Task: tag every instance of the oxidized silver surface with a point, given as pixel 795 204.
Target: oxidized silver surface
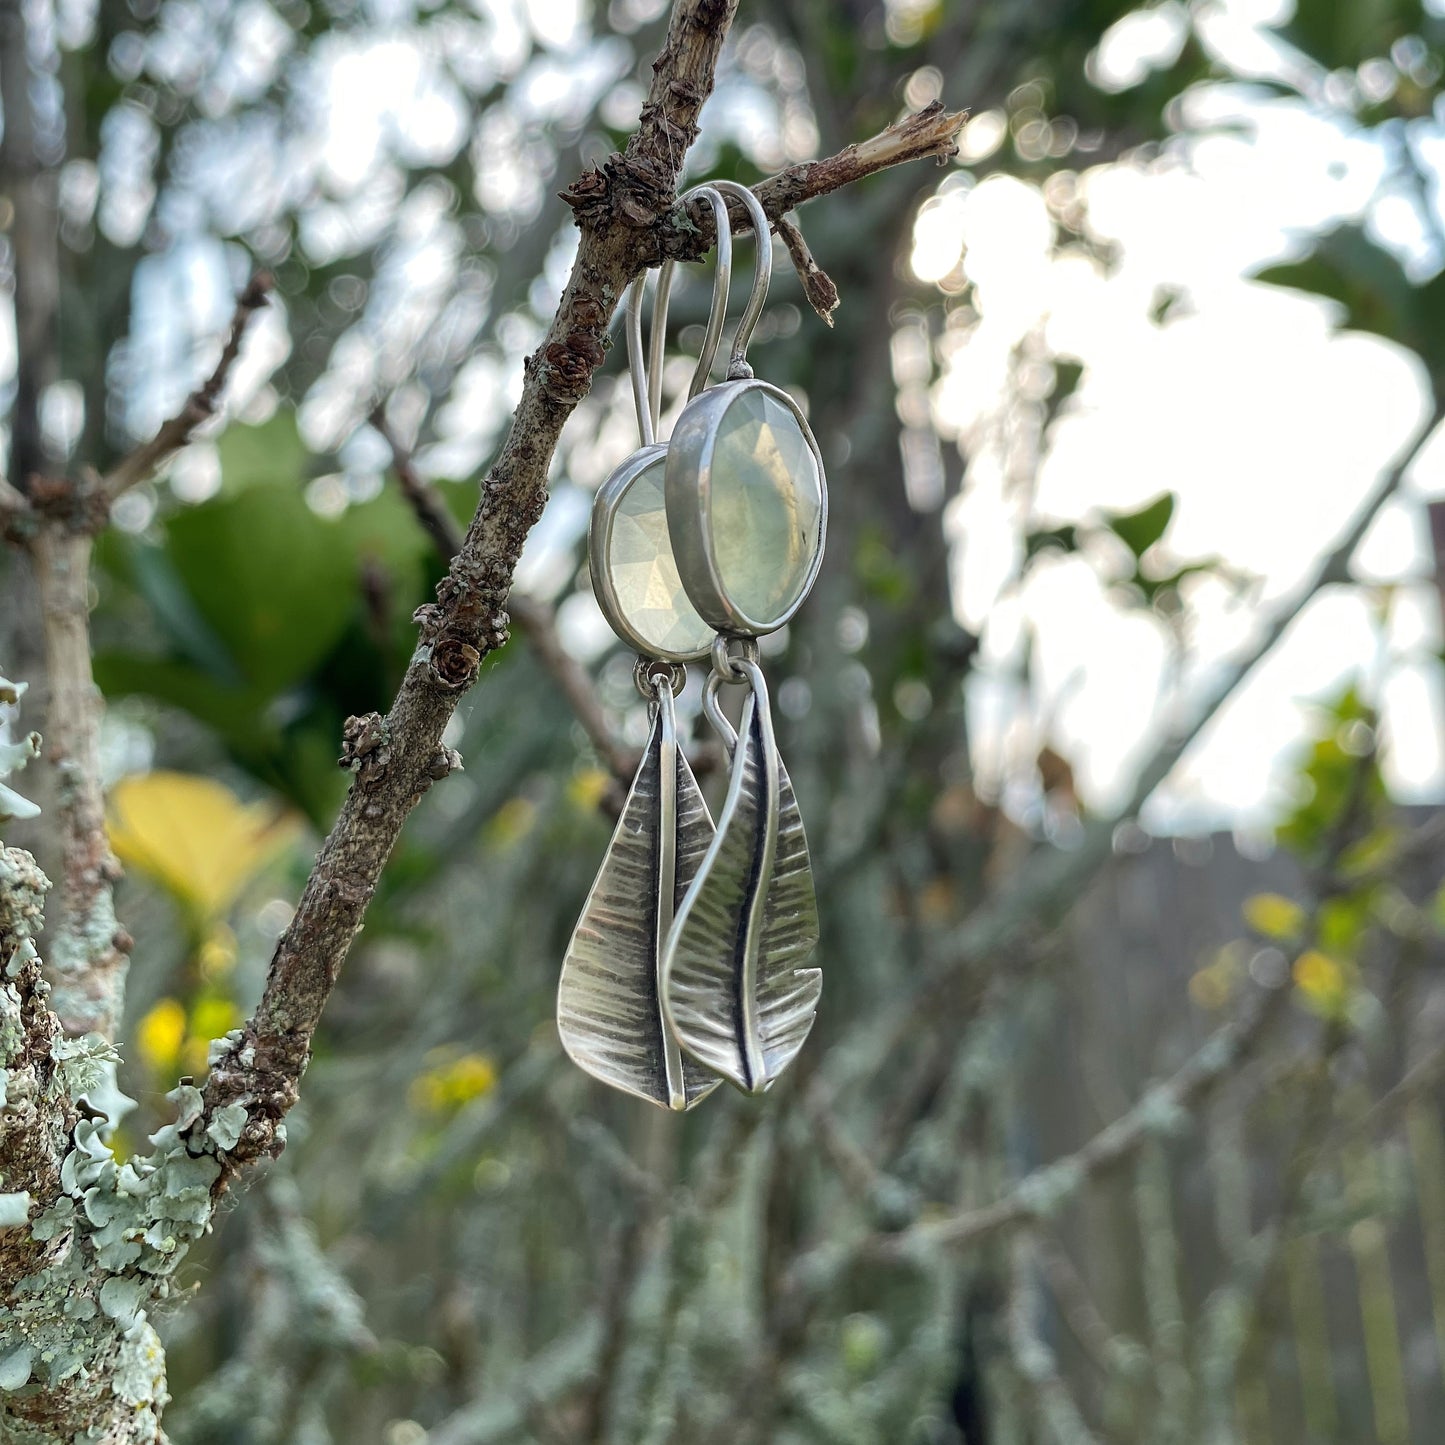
pixel 735 992
pixel 609 1006
pixel 689 508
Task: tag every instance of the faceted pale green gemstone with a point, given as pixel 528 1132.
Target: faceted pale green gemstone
pixel 644 574
pixel 766 496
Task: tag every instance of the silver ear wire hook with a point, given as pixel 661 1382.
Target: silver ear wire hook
pixel 721 283
pixel 658 345
pixel 647 380
pixel 738 367
pixel 762 273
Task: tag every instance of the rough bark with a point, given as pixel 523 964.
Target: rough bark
pixel 89 950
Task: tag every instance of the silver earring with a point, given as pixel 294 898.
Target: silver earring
pixel 609 997
pixel 747 515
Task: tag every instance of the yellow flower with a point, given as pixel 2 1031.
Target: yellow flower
pixel 587 787
pixel 452 1082
pixel 511 823
pixel 160 1034
pixel 1321 980
pixel 217 952
pixel 213 1015
pixel 195 837
pixel 1274 915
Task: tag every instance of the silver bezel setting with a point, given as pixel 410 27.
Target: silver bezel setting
pixel 599 546
pixel 688 486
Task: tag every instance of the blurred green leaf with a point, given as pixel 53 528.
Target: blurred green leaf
pixel 1050 539
pixel 269 454
pixel 1140 530
pixel 1370 285
pixel 1343 782
pixel 274 581
pixel 1339 34
pixel 233 712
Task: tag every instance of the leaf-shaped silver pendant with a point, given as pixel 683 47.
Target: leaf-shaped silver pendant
pixel 734 992
pixel 609 1009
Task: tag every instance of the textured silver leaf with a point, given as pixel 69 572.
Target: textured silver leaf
pixel 734 992
pixel 608 999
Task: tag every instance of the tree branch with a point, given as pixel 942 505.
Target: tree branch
pixel 87 954
pixel 1054 1403
pixel 200 406
pixel 931 133
pixel 625 213
pixel 534 617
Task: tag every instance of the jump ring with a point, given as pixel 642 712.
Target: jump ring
pixel 650 672
pixel 725 662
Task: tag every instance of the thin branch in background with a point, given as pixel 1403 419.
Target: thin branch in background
pixel 1105 1346
pixel 200 406
pixel 30 187
pixel 423 498
pixel 539 622
pixel 1161 1107
pixel 1032 1358
pixel 534 617
pixel 88 952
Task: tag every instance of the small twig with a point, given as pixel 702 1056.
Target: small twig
pixel 431 511
pixel 818 285
pixel 929 133
pixel 200 405
pixel 534 617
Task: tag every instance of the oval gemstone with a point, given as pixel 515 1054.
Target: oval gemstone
pixel 766 502
pixel 644 573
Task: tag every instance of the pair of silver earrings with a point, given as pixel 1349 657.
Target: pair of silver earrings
pixel 687 964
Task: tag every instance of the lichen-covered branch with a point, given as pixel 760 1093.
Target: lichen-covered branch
pixel 1035 1362
pixel 89 949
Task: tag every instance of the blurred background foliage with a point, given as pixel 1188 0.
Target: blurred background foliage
pixel 466 1240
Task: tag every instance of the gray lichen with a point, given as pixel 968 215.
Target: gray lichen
pixel 14 756
pixel 91 1242
pixel 110 1245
